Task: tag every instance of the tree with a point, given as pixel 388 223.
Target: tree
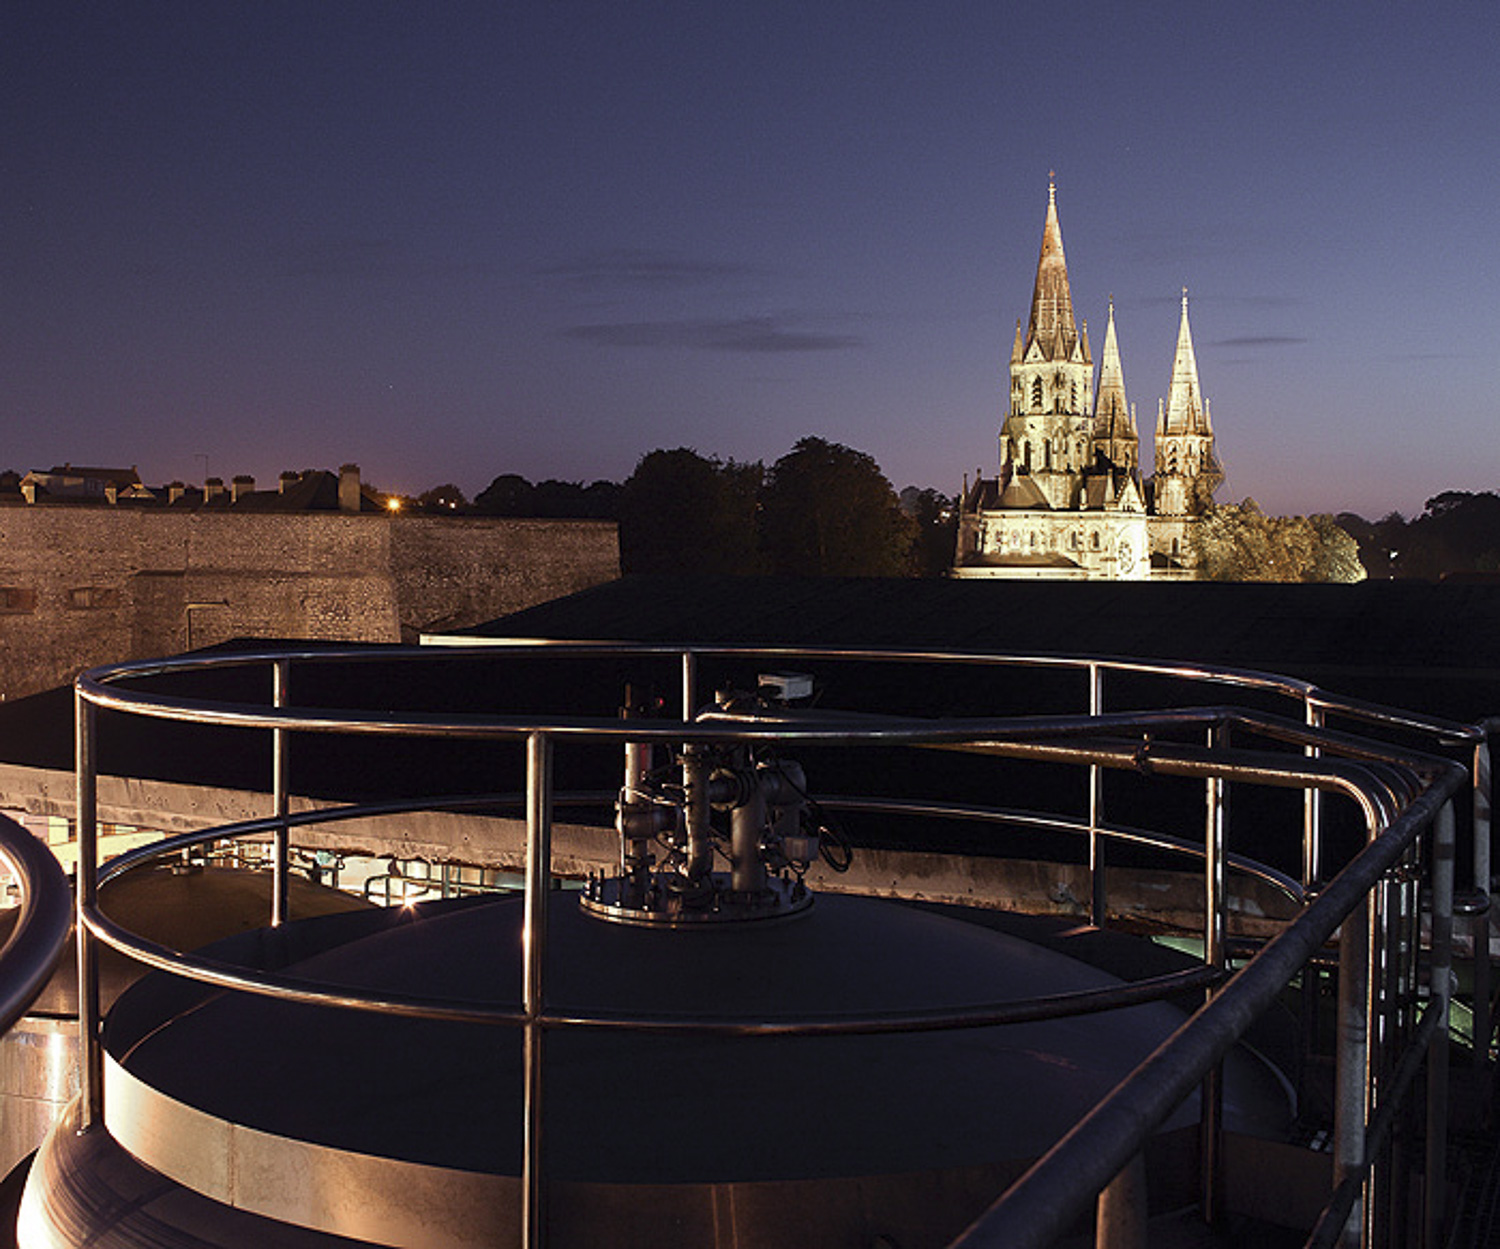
pixel 1457 533
pixel 446 499
pixel 828 510
pixel 681 512
pixel 508 495
pixel 936 519
pixel 1241 543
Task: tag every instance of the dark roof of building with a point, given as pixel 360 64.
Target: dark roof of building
pixel 1432 647
pixel 120 476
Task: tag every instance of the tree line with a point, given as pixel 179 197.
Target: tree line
pixel 823 509
pixel 1457 534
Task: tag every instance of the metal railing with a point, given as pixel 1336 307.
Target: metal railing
pixel 44 918
pixel 1403 796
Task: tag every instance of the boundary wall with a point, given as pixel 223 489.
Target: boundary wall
pixel 83 586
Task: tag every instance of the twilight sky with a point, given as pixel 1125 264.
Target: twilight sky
pixel 452 240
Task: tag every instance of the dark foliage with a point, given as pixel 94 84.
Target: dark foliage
pixel 512 495
pixel 1457 535
pixel 681 512
pixel 828 511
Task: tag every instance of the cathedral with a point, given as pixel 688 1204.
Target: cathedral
pixel 1069 500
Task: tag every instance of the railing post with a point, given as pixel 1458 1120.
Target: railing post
pixel 1098 884
pixel 689 685
pixel 86 813
pixel 281 839
pixel 538 888
pixel 1440 997
pixel 1480 923
pixel 1215 955
pixel 1312 812
pixel 1351 1072
pixel 1121 1210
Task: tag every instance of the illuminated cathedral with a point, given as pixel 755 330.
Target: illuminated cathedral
pixel 1069 499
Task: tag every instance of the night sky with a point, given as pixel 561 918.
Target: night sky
pixel 452 240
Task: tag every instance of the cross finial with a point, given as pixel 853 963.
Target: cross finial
pixel 1052 186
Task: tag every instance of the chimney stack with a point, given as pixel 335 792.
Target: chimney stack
pixel 288 480
pixel 174 491
pixel 349 492
pixel 240 487
pixel 213 487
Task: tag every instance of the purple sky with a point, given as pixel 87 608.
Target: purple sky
pixel 448 241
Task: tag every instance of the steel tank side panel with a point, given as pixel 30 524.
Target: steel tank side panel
pixel 38 1077
pixel 375 1200
pixel 86 1190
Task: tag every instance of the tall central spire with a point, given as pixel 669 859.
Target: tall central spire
pixel 1052 328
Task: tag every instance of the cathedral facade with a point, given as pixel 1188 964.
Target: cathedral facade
pixel 1070 499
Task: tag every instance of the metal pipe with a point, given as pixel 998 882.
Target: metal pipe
pixel 86 811
pixel 438 648
pixel 700 852
pixel 36 943
pixel 1330 1224
pixel 1122 1209
pixel 747 823
pixel 1480 922
pixel 1441 992
pixel 1215 956
pixel 1312 810
pixel 1351 1087
pixel 689 685
pixel 281 839
pixel 1098 884
pixel 538 889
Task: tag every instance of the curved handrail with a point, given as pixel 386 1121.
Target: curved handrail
pixel 95 684
pixel 36 943
pixel 1044 1201
pixel 1395 789
pixel 289 988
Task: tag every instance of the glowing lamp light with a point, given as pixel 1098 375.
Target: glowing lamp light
pixel 393 504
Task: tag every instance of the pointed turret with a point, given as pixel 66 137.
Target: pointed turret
pixel 1185 411
pixel 1115 437
pixel 1187 466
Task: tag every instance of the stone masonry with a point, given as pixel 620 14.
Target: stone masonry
pixel 81 586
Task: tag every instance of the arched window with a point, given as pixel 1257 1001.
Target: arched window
pixel 1073 397
pixel 1032 542
pixel 1036 392
pixel 1094 540
pixel 1176 547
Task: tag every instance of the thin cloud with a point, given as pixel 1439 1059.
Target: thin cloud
pixel 753 334
pixel 1261 340
pixel 628 269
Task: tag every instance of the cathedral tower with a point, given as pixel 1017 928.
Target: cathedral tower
pixel 1048 430
pixel 1187 467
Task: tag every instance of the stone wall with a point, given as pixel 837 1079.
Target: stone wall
pixel 452 573
pixel 81 586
